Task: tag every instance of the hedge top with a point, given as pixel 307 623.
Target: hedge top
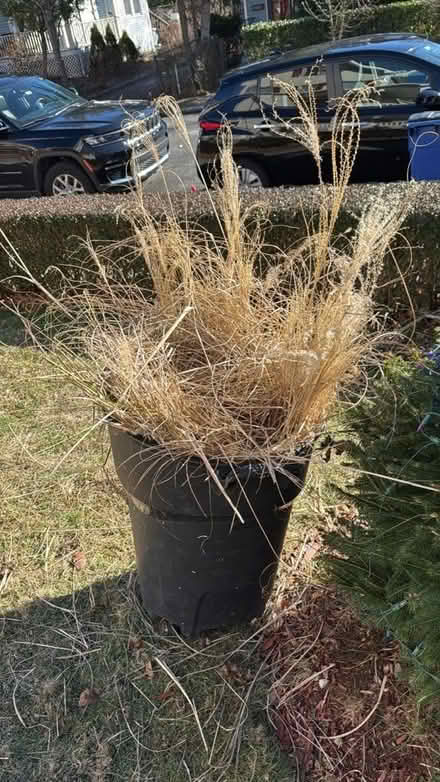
pixel 415 16
pixel 50 231
pixel 278 200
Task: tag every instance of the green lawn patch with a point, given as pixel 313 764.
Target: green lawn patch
pixel 82 696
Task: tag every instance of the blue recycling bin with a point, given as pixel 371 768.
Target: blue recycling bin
pixel 424 145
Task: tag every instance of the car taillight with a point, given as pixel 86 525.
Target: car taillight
pixel 205 125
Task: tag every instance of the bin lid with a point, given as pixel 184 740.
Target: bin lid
pixel 424 118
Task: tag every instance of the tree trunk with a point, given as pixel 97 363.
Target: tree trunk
pixel 42 32
pixel 55 41
pixel 194 18
pixel 205 20
pixel 185 35
pixel 203 46
pixel 184 26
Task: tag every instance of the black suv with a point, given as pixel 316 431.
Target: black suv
pixel 400 66
pixel 53 142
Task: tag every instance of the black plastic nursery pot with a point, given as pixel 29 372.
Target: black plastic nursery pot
pixel 198 565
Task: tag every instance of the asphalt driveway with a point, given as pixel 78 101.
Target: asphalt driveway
pixel 179 172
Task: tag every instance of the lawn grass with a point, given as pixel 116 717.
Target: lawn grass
pixel 72 631
pixel 90 689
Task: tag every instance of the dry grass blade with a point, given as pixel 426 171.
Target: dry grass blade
pixel 174 679
pixel 365 720
pixel 311 678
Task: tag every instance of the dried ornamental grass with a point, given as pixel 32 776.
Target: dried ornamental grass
pixel 230 359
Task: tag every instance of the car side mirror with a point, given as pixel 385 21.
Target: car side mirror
pixel 429 98
pixel 74 90
pixel 3 126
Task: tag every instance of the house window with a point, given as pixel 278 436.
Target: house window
pixel 137 6
pixel 104 8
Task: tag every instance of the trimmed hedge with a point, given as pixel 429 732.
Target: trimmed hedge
pixel 46 232
pixel 413 16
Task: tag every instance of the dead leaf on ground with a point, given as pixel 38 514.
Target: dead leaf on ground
pixel 135 643
pixel 167 694
pixel 232 672
pixel 88 697
pixel 79 560
pixel 260 733
pixel 148 670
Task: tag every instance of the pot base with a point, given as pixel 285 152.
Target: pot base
pixel 198 565
pixel 200 578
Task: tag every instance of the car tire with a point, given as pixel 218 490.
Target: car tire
pixel 209 175
pixel 67 179
pixel 251 173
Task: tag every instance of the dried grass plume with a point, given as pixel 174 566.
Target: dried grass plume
pixel 234 357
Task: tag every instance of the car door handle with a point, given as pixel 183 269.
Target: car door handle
pixel 264 126
pixel 361 125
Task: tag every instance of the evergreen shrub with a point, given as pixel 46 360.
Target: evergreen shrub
pixel 389 558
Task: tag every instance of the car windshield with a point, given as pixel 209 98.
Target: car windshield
pixel 30 100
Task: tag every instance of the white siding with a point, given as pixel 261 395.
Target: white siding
pixel 5 25
pixel 132 16
pixel 137 25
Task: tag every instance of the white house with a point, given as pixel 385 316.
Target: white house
pixel 130 15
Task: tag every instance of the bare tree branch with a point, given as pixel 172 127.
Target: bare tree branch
pixel 336 14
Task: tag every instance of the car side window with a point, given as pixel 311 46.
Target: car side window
pixel 394 81
pixel 245 104
pixel 301 77
pixel 247 87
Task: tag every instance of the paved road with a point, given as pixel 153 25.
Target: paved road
pixel 179 173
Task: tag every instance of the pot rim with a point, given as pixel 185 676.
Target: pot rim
pixel 303 453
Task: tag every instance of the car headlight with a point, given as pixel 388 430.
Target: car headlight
pixel 94 141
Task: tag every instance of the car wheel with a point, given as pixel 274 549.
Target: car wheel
pixel 209 175
pixel 251 174
pixel 65 179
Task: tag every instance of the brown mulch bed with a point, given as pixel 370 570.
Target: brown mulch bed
pixel 337 701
